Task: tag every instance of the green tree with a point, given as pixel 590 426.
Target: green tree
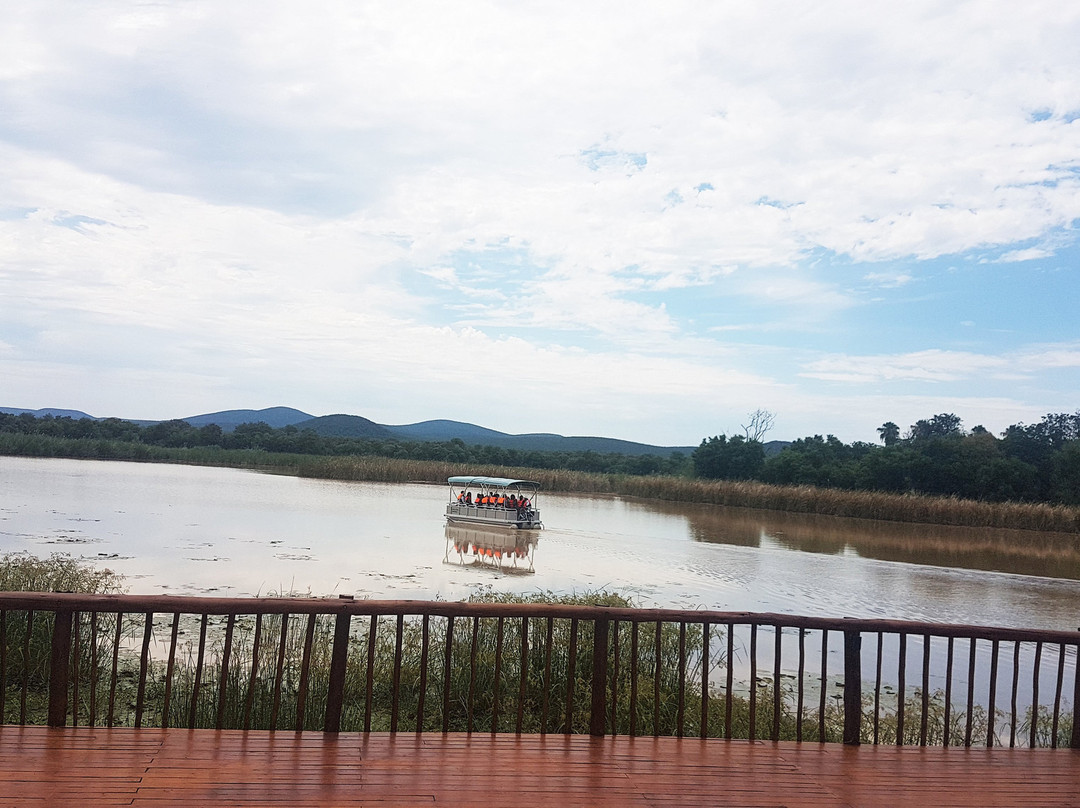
pixel 1064 475
pixel 943 425
pixel 889 433
pixel 721 458
pixel 173 434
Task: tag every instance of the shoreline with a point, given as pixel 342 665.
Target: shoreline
pixel 801 499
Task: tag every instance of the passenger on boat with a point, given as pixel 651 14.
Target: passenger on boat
pixel 468 497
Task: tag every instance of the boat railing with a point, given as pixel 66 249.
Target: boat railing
pixel 491 512
pixel 416 666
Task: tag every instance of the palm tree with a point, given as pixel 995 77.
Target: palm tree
pixel 889 432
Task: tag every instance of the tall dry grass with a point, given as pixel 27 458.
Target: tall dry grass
pixel 791 498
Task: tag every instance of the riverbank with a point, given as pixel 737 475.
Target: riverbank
pixel 907 508
pixel 792 499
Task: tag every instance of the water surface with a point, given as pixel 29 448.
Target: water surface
pixel 192 530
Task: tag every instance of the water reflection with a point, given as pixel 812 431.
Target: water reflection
pixel 1023 552
pixel 508 551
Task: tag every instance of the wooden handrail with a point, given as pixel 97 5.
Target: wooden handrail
pixel 603 673
pixel 183 604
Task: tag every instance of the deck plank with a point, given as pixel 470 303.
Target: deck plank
pixel 102 768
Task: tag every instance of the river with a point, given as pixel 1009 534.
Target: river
pixel 193 530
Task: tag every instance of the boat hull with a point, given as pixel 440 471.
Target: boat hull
pixel 493 517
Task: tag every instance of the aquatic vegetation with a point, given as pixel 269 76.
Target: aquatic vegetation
pixel 847 502
pixel 525 669
pixel 22 572
pixel 743 494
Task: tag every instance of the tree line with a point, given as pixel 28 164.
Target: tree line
pixel 115 438
pixel 935 456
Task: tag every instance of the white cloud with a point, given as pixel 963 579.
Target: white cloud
pixel 283 204
pixel 937 365
pixel 1029 254
pixel 908 150
pixel 1052 356
pixel 889 280
pixel 922 366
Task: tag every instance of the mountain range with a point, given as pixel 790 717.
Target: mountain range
pixel 355 426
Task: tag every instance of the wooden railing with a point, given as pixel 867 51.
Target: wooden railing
pixel 345 664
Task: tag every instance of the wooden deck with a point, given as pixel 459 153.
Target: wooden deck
pixel 89 768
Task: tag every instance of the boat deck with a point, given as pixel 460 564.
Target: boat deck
pixel 95 767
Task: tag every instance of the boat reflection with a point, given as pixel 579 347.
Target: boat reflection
pixel 508 551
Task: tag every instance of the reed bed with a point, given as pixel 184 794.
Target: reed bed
pixel 27 639
pixel 22 572
pixel 859 504
pixel 791 498
pixel 487 684
pixel 913 508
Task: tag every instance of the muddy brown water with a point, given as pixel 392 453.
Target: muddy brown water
pixel 193 530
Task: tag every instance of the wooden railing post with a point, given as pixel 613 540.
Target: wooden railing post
pixel 852 687
pixel 59 668
pixel 597 723
pixel 335 696
pixel 1074 742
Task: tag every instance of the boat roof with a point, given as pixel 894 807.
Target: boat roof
pixel 492 482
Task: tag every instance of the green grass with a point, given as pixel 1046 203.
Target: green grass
pixel 27 638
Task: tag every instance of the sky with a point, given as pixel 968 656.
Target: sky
pixel 638 220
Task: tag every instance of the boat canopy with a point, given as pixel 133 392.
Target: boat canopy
pixel 492 482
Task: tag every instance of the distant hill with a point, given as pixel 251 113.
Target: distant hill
pixel 355 426
pixel 535 441
pixel 73 414
pixel 445 430
pixel 228 420
pixel 543 442
pixel 773 447
pixel 346 426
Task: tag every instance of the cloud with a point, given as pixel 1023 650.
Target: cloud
pixel 922 366
pixel 647 207
pixel 1052 356
pixel 936 365
pixel 1028 254
pixel 357 106
pixel 889 280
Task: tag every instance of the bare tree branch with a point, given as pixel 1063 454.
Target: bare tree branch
pixel 761 421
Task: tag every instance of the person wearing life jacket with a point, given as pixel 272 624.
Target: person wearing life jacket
pixel 468 497
pixel 501 500
pixel 461 497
